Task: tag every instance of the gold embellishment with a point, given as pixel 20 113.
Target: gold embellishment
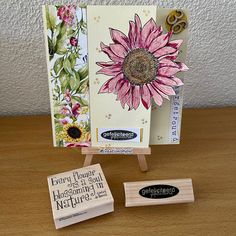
pixel 141 135
pixel 146 12
pixel 176 21
pixel 97 18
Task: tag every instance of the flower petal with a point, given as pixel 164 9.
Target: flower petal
pixel 172 56
pixel 154 34
pixel 118 50
pixel 124 99
pixel 175 43
pixel 167 71
pixel 123 89
pixel 182 66
pixel 159 42
pixel 159 91
pixel 136 97
pixel 164 51
pixel 104 88
pixel 166 62
pixel 129 100
pixel 165 89
pixel 156 96
pixel 110 85
pixel 110 69
pixel 145 96
pixel 119 84
pixel 131 34
pixel 138 28
pixel 106 49
pixel 149 27
pixel 105 64
pixel 166 81
pixel 119 37
pixel 177 81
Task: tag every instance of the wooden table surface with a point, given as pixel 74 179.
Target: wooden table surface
pixel 207 154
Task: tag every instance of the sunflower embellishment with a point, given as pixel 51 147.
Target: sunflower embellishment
pixel 142 65
pixel 73 133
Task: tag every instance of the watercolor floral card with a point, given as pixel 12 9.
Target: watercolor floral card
pixel 66 49
pixel 132 94
pixel 133 69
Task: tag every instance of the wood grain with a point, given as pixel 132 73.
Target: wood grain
pixel 133 197
pixel 207 155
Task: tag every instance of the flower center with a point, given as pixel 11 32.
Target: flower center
pixel 140 66
pixel 74 132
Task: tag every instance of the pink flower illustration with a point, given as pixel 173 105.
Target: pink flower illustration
pixel 67 14
pixel 74 41
pixel 67 96
pixel 82 144
pixel 142 65
pixel 75 109
pixel 66 110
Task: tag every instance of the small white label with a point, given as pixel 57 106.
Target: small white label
pixel 119 135
pixel 176 108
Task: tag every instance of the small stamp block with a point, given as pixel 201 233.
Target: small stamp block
pixel 158 192
pixel 79 195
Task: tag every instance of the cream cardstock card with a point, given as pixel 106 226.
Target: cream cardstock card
pixel 132 93
pixel 105 109
pixel 166 120
pixel 134 64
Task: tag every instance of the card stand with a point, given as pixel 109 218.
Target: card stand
pixel 140 152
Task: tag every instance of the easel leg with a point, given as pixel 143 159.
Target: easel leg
pixel 142 162
pixel 88 159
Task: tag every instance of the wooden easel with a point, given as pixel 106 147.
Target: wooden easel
pixel 140 152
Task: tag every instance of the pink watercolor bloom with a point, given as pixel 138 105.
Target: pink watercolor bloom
pixel 142 65
pixel 75 109
pixel 67 96
pixel 83 144
pixel 74 41
pixel 65 121
pixel 67 14
pixel 65 110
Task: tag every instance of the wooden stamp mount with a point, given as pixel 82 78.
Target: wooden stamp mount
pixel 140 152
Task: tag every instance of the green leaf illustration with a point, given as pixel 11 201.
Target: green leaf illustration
pixel 77 75
pixel 51 14
pixel 70 32
pixel 74 83
pixel 56 33
pixel 62 33
pixel 50 47
pixel 72 59
pixel 61 40
pixel 83 72
pixel 67 66
pixel 80 100
pixel 58 65
pixel 59 116
pixel 60 47
pixel 64 80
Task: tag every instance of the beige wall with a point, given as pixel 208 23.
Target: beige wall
pixel 212 54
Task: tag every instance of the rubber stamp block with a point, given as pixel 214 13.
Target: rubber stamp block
pixel 79 195
pixel 158 192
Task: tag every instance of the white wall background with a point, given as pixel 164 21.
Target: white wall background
pixel 211 58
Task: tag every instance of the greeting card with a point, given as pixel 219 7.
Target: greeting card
pixel 119 117
pixel 132 65
pixel 65 29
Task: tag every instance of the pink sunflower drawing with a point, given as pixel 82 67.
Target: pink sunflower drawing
pixel 142 65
